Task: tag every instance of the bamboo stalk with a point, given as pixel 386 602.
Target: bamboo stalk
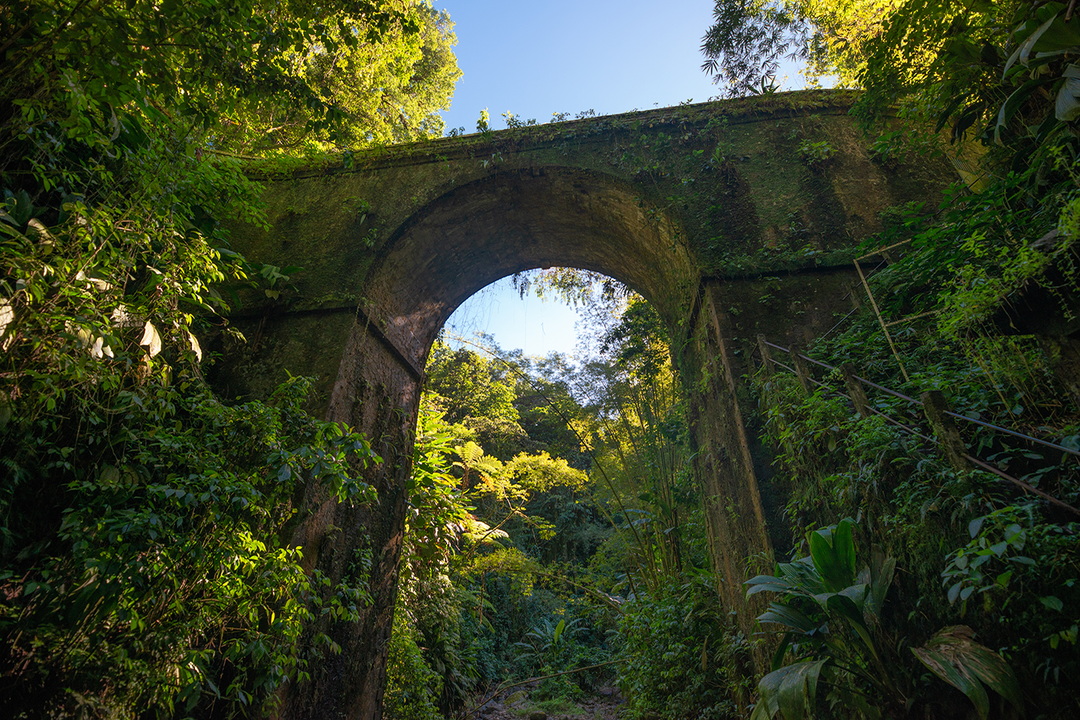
pixel 884 327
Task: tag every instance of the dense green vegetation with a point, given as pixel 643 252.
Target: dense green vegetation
pixel 576 544
pixel 554 527
pixel 984 285
pixel 142 565
pixel 937 577
pixel 956 592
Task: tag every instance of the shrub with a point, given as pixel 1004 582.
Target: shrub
pixel 412 688
pixel 816 154
pixel 684 659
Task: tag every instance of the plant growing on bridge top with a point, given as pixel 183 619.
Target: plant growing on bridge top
pixel 484 123
pixel 831 618
pixel 515 121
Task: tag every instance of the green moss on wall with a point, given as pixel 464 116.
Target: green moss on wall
pixel 727 176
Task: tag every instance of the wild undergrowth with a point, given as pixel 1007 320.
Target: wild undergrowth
pixel 971 547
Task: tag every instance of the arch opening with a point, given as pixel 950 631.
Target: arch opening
pixel 535 313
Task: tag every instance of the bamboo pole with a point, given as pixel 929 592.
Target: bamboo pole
pixel 884 327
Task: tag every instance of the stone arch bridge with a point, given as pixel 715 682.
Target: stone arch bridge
pixel 726 216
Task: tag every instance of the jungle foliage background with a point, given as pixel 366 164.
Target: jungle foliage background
pixel 554 524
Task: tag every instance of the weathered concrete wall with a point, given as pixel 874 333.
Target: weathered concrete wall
pixel 742 507
pixel 706 210
pixel 726 175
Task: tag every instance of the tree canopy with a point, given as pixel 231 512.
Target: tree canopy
pixel 389 91
pixel 748 39
pixel 142 570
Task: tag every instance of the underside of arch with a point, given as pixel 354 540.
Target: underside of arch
pixel 519 220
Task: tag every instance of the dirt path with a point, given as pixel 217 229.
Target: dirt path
pixel 517 704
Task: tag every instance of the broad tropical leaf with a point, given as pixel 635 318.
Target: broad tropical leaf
pixel 833 554
pixel 790 691
pixel 954 656
pixel 558 632
pixel 1015 102
pixel 767 583
pixel 1067 107
pixel 882 569
pixel 789 617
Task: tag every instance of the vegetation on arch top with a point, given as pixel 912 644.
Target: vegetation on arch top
pixel 734 111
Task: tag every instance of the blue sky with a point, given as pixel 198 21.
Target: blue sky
pixel 611 56
pixel 566 56
pixel 536 326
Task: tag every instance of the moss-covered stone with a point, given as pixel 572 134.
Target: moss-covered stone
pixel 710 211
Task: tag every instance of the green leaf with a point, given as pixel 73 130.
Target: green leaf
pixel 767 583
pixel 761 711
pixel 938 664
pixel 846 608
pixel 558 632
pixel 790 691
pixel 882 569
pixel 1059 36
pixel 1052 603
pixel 1023 52
pixel 833 555
pixel 781 652
pixel 1005 114
pixel 1067 105
pixel 954 656
pixel 789 617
